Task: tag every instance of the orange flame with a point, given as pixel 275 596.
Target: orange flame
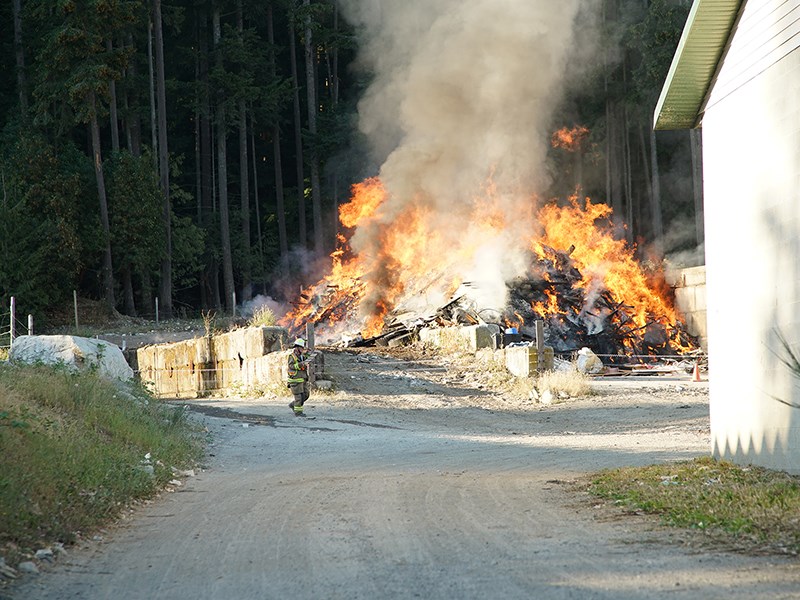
pixel 569 139
pixel 367 198
pixel 406 256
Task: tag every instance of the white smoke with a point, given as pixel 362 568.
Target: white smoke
pixel 463 90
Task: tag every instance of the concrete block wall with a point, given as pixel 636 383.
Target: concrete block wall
pixel 244 357
pixel 690 300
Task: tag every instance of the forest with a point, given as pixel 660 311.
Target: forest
pixel 192 154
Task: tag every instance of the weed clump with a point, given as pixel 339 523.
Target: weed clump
pixel 262 317
pixel 752 507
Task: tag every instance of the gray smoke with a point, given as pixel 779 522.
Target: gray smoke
pixel 463 91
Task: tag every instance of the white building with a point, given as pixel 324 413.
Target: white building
pixel 736 75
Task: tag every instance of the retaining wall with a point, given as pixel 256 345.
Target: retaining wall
pixel 690 300
pixel 248 358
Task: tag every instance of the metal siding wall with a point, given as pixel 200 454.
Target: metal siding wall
pixel 768 31
pixel 751 154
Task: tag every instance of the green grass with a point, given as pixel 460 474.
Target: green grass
pixel 751 507
pixel 72 453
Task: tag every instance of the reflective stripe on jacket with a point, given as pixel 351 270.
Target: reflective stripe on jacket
pixel 297 370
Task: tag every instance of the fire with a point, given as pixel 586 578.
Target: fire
pixel 587 279
pixel 600 257
pixel 569 139
pixel 367 198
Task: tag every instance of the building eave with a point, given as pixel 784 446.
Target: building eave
pixel 705 36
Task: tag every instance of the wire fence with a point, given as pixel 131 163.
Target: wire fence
pixel 11 326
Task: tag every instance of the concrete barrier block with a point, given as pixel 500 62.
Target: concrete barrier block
pixel 432 336
pixel 275 339
pixel 470 338
pixel 203 350
pixel 694 276
pixel 222 347
pixel 523 361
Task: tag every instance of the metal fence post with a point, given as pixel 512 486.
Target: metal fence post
pixel 30 324
pixel 540 345
pixel 12 332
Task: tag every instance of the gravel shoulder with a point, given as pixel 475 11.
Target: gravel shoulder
pixel 417 478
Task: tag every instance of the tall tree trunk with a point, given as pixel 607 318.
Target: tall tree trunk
pixel 163 163
pixel 19 52
pixel 127 292
pixel 696 140
pixel 244 180
pixel 655 205
pixel 133 124
pixel 108 271
pixel 335 86
pixel 298 139
pixel 645 163
pixel 336 54
pixel 209 278
pixel 146 292
pixel 256 201
pixel 283 243
pixel 112 108
pixel 198 182
pixel 152 80
pixel 222 183
pixel 628 175
pixel 311 98
pixel 614 158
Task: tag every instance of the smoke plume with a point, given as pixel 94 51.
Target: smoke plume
pixel 460 108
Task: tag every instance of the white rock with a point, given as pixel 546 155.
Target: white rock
pixel 588 361
pixel 28 567
pixel 6 571
pixel 76 353
pixel 546 397
pixel 323 384
pixel 45 554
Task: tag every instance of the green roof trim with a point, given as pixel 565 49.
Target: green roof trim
pixel 694 65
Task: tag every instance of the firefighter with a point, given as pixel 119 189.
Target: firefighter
pixel 298 376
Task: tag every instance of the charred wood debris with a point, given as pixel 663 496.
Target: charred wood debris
pixel 599 323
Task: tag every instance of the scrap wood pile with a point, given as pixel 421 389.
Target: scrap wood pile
pixel 405 328
pixel 578 316
pixel 552 290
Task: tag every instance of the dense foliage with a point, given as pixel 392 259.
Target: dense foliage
pixel 163 148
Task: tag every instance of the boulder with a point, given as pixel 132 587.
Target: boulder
pixel 588 362
pixel 76 353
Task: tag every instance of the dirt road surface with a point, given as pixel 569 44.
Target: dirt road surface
pixel 416 480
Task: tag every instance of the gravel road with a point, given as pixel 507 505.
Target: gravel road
pixel 416 480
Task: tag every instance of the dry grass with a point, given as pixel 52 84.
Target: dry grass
pixel 751 508
pixel 262 317
pixel 573 383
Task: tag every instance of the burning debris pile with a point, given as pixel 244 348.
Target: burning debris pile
pixel 583 283
pixel 575 317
